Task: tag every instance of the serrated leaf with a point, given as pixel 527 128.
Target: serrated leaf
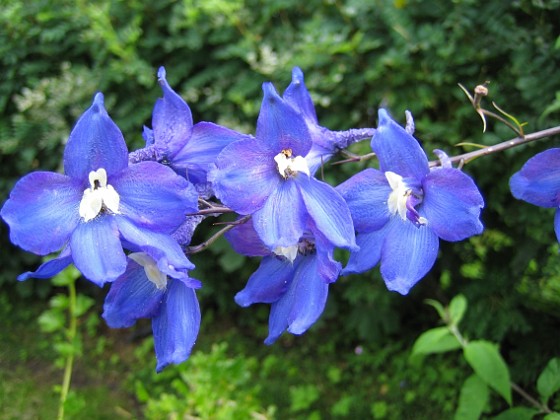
pixel 549 379
pixel 486 361
pixel 436 340
pixel 437 306
pixel 457 309
pixel 517 413
pixel 473 398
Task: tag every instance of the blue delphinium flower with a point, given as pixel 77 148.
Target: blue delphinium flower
pixel 99 205
pixel 268 177
pixel 402 210
pixel 144 291
pixel 296 284
pixel 174 140
pixel 538 183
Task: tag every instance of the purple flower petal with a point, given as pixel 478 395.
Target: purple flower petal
pixel 303 302
pixel 538 181
pixel 97 250
pixel 408 253
pixel 162 248
pixel 327 268
pixel 206 143
pixel 176 326
pixel 299 98
pixel 397 150
pixel 281 221
pixel 452 204
pixel 369 253
pixel 50 268
pixel 245 240
pixel 154 196
pixel 366 194
pixel 95 142
pixel 42 211
pixel 244 176
pixel 268 283
pixel 171 120
pixel 131 297
pixel 328 211
pixel 281 127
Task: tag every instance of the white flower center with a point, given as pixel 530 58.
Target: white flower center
pixel 288 165
pixel 290 252
pixel 150 268
pixel 399 198
pixel 99 195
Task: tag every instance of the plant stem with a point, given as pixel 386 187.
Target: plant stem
pixel 201 247
pixel 500 147
pixel 71 335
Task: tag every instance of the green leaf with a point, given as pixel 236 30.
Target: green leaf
pixel 549 380
pixel 51 321
pixel 552 416
pixel 438 307
pixel 457 309
pixel 517 413
pixel 436 340
pixel 473 399
pixel 486 361
pixel 83 303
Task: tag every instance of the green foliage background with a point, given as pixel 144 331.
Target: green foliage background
pixel 357 55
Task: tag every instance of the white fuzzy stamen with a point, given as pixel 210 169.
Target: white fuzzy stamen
pixel 98 195
pixel 399 195
pixel 290 252
pixel 289 166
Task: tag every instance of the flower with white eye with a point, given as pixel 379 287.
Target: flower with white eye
pixel 402 210
pixel 100 205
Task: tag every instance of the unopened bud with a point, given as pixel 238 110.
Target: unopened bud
pixel 481 90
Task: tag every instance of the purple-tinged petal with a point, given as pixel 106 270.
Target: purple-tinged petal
pixel 557 224
pixel 42 211
pixel 452 204
pixel 327 268
pixel 538 181
pixel 397 150
pixel 245 240
pixel 280 127
pixel 97 250
pixel 184 233
pixel 176 326
pixel 148 136
pixel 131 297
pixel 281 221
pixel 161 247
pixel 328 210
pixel 369 253
pixel 95 142
pixel 244 176
pixel 303 302
pixel 366 194
pixel 206 143
pixel 49 268
pixel 171 121
pixel 154 196
pixel 299 98
pixel 268 283
pixel 408 253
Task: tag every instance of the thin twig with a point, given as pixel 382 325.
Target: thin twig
pixel 467 157
pixel 543 408
pixel 201 247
